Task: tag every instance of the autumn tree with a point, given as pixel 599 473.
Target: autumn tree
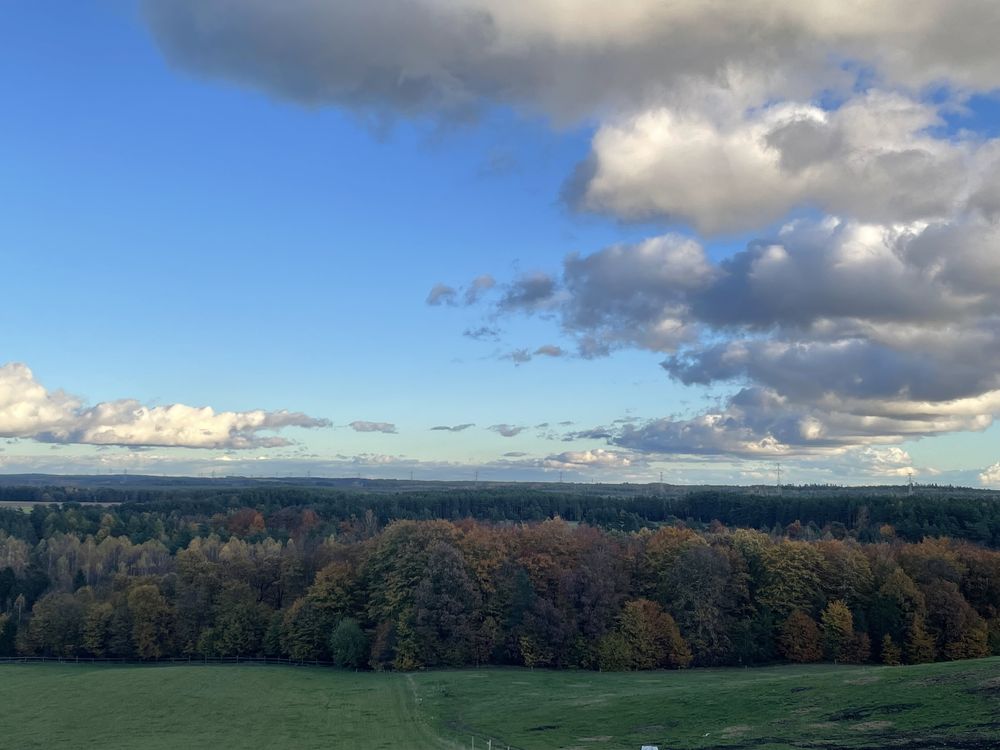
pixel 305 631
pixel 56 627
pixel 8 635
pixel 859 648
pixel 97 629
pixel 646 638
pixel 151 621
pixel 240 621
pixel 894 605
pixel 393 570
pixel 845 573
pixel 838 630
pixel 800 638
pixel 892 655
pixel 920 647
pixel 791 577
pixel 445 610
pixel 349 644
pixel 705 592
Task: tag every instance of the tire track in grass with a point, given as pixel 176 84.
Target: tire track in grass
pixel 408 705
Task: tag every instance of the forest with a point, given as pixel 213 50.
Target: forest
pixel 959 513
pixel 421 580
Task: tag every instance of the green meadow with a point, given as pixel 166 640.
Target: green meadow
pixel 947 705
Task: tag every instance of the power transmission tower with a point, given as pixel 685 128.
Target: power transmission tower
pixel 779 477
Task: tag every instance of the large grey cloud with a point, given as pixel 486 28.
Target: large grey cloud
pixel 29 410
pixel 433 56
pixel 835 333
pixel 706 112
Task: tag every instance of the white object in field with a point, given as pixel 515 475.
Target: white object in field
pixel 650 747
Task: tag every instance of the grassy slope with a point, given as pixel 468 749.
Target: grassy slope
pixel 942 705
pixel 780 707
pixel 211 707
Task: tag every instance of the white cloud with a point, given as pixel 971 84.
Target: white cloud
pixel 871 158
pixel 887 462
pixel 991 475
pixel 29 410
pixel 597 458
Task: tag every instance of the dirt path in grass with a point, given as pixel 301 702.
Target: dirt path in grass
pixel 408 703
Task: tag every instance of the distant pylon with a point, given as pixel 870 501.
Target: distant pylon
pixel 779 477
pixel 909 487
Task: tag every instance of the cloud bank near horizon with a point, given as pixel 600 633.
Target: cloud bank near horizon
pixel 29 410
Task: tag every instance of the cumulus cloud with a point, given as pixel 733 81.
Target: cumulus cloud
pixel 633 295
pixel 991 475
pixel 362 426
pixel 29 410
pixel 887 462
pixel 872 158
pixel 454 428
pixel 507 430
pixel 836 333
pixel 598 458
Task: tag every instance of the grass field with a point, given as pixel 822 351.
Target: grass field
pixel 953 705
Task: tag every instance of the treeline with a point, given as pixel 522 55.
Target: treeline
pixel 958 515
pixel 418 594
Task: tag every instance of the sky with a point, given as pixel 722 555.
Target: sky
pixel 447 239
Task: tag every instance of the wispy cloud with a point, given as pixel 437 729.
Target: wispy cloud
pixel 361 425
pixel 454 428
pixel 507 430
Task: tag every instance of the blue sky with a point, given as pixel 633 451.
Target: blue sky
pixel 180 236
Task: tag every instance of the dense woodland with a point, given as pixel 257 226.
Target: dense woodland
pixel 427 579
pixel 958 513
